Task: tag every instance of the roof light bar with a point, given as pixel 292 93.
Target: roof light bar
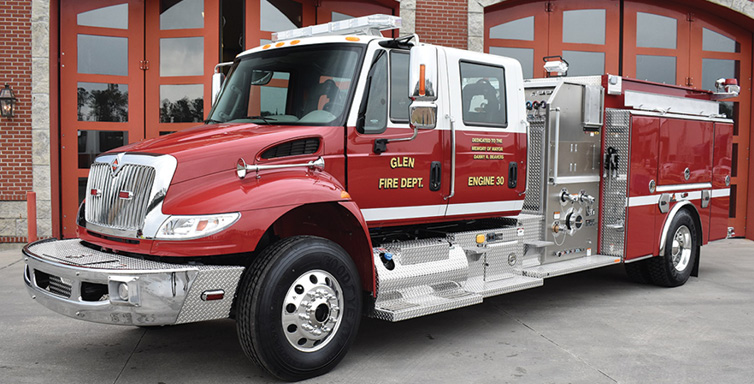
pixel 367 25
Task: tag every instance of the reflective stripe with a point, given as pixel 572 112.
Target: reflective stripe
pixel 398 213
pixel 643 200
pixel 638 201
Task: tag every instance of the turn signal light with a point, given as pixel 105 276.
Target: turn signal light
pixel 217 294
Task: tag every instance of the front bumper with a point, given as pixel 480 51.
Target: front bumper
pixel 74 280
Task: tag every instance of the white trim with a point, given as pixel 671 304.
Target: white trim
pixel 415 212
pixel 682 187
pixel 397 213
pixel 639 201
pixel 488 206
pixel 725 192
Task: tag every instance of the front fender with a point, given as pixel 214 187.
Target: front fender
pixel 225 192
pixel 261 202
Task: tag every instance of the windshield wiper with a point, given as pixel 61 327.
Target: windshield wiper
pixel 212 121
pixel 267 120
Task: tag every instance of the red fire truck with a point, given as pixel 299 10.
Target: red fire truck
pixel 343 173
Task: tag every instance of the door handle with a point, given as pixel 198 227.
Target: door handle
pixel 435 176
pixel 512 174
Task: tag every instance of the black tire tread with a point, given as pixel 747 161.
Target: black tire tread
pixel 248 282
pixel 660 268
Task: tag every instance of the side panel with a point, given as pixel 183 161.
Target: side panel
pixel 643 208
pixel 685 144
pixel 721 172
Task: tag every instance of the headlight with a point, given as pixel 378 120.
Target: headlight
pixel 194 227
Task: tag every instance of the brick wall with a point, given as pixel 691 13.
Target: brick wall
pixel 442 22
pixel 15 134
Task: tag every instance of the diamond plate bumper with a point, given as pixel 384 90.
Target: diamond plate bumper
pixel 74 280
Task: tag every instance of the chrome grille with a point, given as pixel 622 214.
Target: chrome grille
pixel 59 287
pixel 106 202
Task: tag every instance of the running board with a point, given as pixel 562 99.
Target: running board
pixel 432 300
pixel 570 266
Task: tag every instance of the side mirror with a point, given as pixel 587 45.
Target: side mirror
pixel 422 75
pixel 422 82
pixel 423 115
pixel 217 80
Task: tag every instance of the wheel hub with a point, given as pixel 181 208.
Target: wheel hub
pixel 681 248
pixel 312 310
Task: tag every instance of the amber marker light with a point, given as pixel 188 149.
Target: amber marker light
pixel 345 195
pixel 352 38
pixel 422 80
pixel 480 238
pixel 294 42
pixel 266 46
pixel 280 44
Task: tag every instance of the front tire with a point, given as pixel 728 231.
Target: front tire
pixel 299 307
pixel 681 253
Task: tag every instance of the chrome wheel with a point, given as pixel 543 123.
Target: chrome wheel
pixel 681 248
pixel 312 310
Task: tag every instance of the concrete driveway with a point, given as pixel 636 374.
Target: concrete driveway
pixel 591 327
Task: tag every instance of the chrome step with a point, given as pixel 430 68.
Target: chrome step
pixel 432 300
pixel 570 266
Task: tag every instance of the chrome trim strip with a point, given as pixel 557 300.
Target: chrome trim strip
pixel 317 164
pixel 637 259
pixel 677 116
pixel 683 187
pixel 576 179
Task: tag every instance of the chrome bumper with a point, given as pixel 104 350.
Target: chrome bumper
pixel 82 283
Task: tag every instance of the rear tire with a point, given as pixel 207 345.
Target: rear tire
pixel 681 253
pixel 299 307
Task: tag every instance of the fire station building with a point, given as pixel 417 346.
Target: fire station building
pixel 86 76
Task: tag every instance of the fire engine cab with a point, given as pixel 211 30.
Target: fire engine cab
pixel 343 173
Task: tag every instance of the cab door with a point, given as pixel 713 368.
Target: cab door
pixel 394 180
pixel 490 136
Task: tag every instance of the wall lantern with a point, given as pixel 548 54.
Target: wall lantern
pixel 7 101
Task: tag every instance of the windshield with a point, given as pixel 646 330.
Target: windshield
pixel 308 85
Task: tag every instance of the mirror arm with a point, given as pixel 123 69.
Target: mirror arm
pixel 380 145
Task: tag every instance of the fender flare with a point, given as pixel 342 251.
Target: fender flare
pixel 669 219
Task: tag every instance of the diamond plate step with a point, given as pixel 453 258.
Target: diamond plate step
pixel 570 266
pixel 432 302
